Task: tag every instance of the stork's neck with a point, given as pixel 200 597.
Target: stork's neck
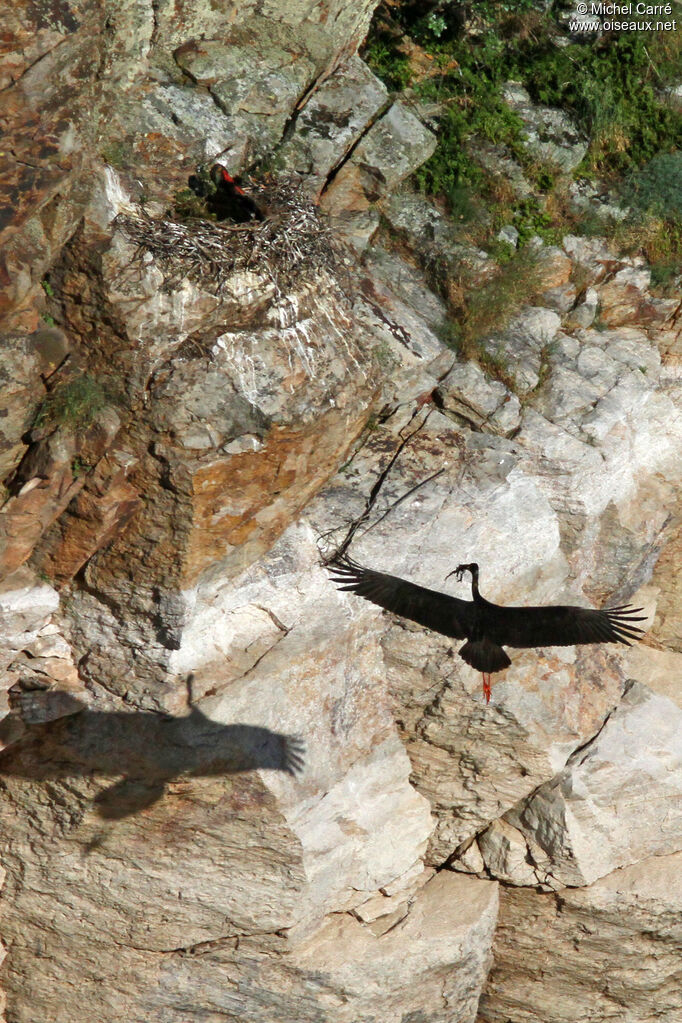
pixel 474 582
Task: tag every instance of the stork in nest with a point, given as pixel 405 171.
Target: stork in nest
pixel 487 627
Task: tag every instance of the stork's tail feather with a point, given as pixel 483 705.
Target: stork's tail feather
pixel 484 655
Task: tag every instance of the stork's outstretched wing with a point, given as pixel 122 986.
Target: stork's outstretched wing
pixel 438 611
pixel 561 625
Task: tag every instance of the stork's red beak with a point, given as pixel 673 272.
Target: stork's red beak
pixel 229 180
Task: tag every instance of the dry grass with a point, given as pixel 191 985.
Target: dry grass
pixel 608 142
pixel 293 245
pixel 490 307
pixel 660 242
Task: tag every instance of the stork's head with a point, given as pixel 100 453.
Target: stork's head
pixel 219 174
pixel 461 569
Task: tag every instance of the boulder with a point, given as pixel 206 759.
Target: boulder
pixel 395 145
pixel 609 950
pixel 551 135
pixel 614 802
pixel 332 120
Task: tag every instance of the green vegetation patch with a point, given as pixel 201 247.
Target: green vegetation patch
pixel 450 171
pixel 74 403
pixel 611 86
pixel 383 55
pixel 117 154
pixel 660 241
pixel 654 193
pixel 656 188
pixel 613 91
pixel 455 60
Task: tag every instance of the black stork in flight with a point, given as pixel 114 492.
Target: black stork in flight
pixel 487 627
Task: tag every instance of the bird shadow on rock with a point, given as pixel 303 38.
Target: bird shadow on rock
pixel 149 750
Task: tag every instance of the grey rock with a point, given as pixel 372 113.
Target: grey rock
pixel 408 285
pixel 505 854
pixel 433 235
pixel 509 234
pixel 262 109
pixel 393 148
pixel 520 347
pixel 497 160
pixel 581 27
pixel 184 113
pixel 448 931
pixel 21 392
pixel 561 299
pixel 485 403
pixel 673 96
pixel 551 135
pixel 26 605
pixel 584 313
pixel 356 227
pixel 332 120
pixel 507 417
pixel 591 200
pixel 592 255
pixel 516 95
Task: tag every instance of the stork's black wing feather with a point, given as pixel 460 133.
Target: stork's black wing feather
pixel 561 625
pixel 438 611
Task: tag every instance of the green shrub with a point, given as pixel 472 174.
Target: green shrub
pixel 660 241
pixel 75 403
pixel 656 188
pixel 611 87
pixel 665 277
pixel 468 90
pixel 450 171
pixel 117 154
pixel 612 91
pixel 79 467
pixel 384 57
pixel 450 333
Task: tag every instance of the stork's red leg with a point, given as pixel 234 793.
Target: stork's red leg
pixel 486 686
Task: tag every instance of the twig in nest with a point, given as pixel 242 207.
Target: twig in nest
pixel 293 245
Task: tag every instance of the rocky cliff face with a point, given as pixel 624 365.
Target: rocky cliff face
pixel 277 802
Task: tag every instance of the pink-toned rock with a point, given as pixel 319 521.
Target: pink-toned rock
pixel 99 512
pixel 553 267
pixel 49 479
pixel 625 299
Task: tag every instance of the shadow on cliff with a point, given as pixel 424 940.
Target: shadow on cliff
pixel 149 750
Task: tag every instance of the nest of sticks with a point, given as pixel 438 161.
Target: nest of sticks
pixel 292 246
